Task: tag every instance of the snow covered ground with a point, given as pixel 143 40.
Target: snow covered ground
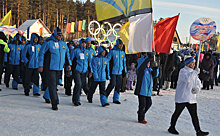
pixel 30 116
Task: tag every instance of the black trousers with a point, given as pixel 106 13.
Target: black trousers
pixel 116 81
pixel 23 72
pixel 31 75
pixel 80 83
pixel 168 75
pixel 156 85
pixel 90 81
pixel 67 82
pixel 1 71
pixel 206 84
pixel 192 108
pixel 144 105
pixel 215 77
pixel 53 77
pixel 14 70
pixel 44 79
pixel 93 88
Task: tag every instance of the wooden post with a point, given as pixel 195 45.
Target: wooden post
pixel 18 12
pixel 6 6
pixel 88 23
pixel 11 18
pixel 57 17
pixel 3 8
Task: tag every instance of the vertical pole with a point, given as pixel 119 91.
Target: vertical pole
pixel 200 44
pixel 153 50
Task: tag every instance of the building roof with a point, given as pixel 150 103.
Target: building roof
pixel 29 23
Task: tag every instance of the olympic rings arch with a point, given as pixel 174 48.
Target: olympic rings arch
pixel 103 31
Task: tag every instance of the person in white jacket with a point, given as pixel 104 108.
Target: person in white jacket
pixel 188 85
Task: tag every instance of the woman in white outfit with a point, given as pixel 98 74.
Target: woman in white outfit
pixel 188 86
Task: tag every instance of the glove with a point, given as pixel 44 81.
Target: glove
pixel 197 70
pixel 195 90
pixel 205 72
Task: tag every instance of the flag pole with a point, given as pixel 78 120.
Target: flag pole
pixel 153 33
pixel 200 44
pixel 153 50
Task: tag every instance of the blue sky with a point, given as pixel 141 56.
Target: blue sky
pixel 190 10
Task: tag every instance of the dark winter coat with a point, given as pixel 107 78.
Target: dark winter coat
pixel 2 37
pixel 207 68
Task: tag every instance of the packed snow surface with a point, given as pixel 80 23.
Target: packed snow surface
pixel 22 115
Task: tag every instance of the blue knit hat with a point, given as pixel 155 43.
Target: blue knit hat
pixel 88 40
pixel 189 60
pixel 119 41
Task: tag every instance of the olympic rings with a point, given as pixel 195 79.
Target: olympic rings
pixel 90 27
pixel 114 34
pixel 114 29
pixel 101 28
pixel 103 34
pixel 109 26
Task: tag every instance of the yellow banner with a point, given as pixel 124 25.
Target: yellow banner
pixel 218 43
pixel 203 46
pixel 110 10
pixel 72 27
pixel 6 19
pixel 124 36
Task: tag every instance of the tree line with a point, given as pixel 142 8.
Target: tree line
pixel 52 12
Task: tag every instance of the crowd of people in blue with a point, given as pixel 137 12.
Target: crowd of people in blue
pixel 26 60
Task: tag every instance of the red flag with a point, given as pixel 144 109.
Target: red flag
pixel 68 28
pixel 207 47
pixel 163 34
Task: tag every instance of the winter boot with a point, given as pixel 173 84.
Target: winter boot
pixel 54 107
pixel 143 121
pixel 172 130
pixel 116 102
pixel 207 87
pixel 107 104
pixel 46 100
pixel 26 93
pixel 201 133
pixel 168 86
pixel 68 92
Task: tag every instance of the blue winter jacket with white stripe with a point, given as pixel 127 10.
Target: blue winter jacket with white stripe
pixel 119 60
pixel 83 59
pixel 15 52
pixel 100 65
pixel 31 53
pixel 58 53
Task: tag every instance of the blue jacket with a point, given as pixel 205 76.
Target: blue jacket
pixel 15 52
pixel 147 80
pixel 100 66
pixel 83 59
pixel 58 53
pixel 31 52
pixel 119 60
pixel 92 51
